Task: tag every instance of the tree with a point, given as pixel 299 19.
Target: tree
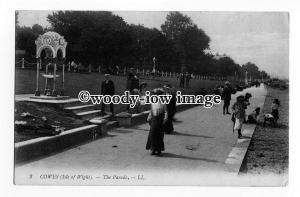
pixel 188 39
pixel 226 66
pixel 152 43
pixel 104 38
pixel 252 70
pixel 264 75
pixel 175 25
pixel 37 29
pixel 25 39
pixel 94 37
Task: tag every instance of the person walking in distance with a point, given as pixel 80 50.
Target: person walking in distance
pixel 130 76
pixel 226 94
pixel 107 88
pixel 171 109
pixel 135 83
pixel 188 78
pixel 181 79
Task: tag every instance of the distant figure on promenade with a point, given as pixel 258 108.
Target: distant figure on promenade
pixel 226 94
pixel 187 80
pixel 171 109
pixel 274 108
pixel 181 79
pixel 130 75
pixel 107 88
pixel 117 70
pixel 147 73
pixel 135 83
pixel 75 66
pixel 221 88
pixel 158 115
pixel 239 114
pixel 216 90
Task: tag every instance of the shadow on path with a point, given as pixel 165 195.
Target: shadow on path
pixel 107 135
pixel 138 128
pixel 172 155
pixel 121 131
pixel 189 135
pixel 245 137
pixel 177 121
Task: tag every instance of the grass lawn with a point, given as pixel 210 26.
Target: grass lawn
pixel 25 83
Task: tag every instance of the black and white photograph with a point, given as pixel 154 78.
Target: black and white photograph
pixel 70 129
pixel 149 98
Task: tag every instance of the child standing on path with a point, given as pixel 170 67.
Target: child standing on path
pixel 238 110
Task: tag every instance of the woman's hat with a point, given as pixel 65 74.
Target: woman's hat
pixel 227 83
pixel 167 86
pixel 135 90
pixel 248 95
pixel 257 109
pixel 157 91
pixel 240 98
pixel 106 75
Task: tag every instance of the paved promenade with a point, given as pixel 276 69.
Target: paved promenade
pixel 198 153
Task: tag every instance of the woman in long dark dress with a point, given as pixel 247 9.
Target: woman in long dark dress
pixel 157 117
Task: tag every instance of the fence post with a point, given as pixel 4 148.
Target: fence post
pixel 63 81
pixel 54 92
pixel 37 92
pixel 69 66
pixel 40 64
pixel 23 66
pixel 46 81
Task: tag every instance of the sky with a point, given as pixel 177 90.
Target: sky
pixel 258 37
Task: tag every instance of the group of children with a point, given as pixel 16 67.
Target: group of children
pixel 239 113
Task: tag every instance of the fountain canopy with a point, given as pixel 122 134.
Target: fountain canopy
pixel 53 41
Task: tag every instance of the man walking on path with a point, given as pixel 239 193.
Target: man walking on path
pixel 129 79
pixel 107 88
pixel 187 80
pixel 135 83
pixel 181 79
pixel 227 97
pixel 171 109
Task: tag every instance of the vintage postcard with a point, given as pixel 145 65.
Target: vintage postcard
pixel 151 98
